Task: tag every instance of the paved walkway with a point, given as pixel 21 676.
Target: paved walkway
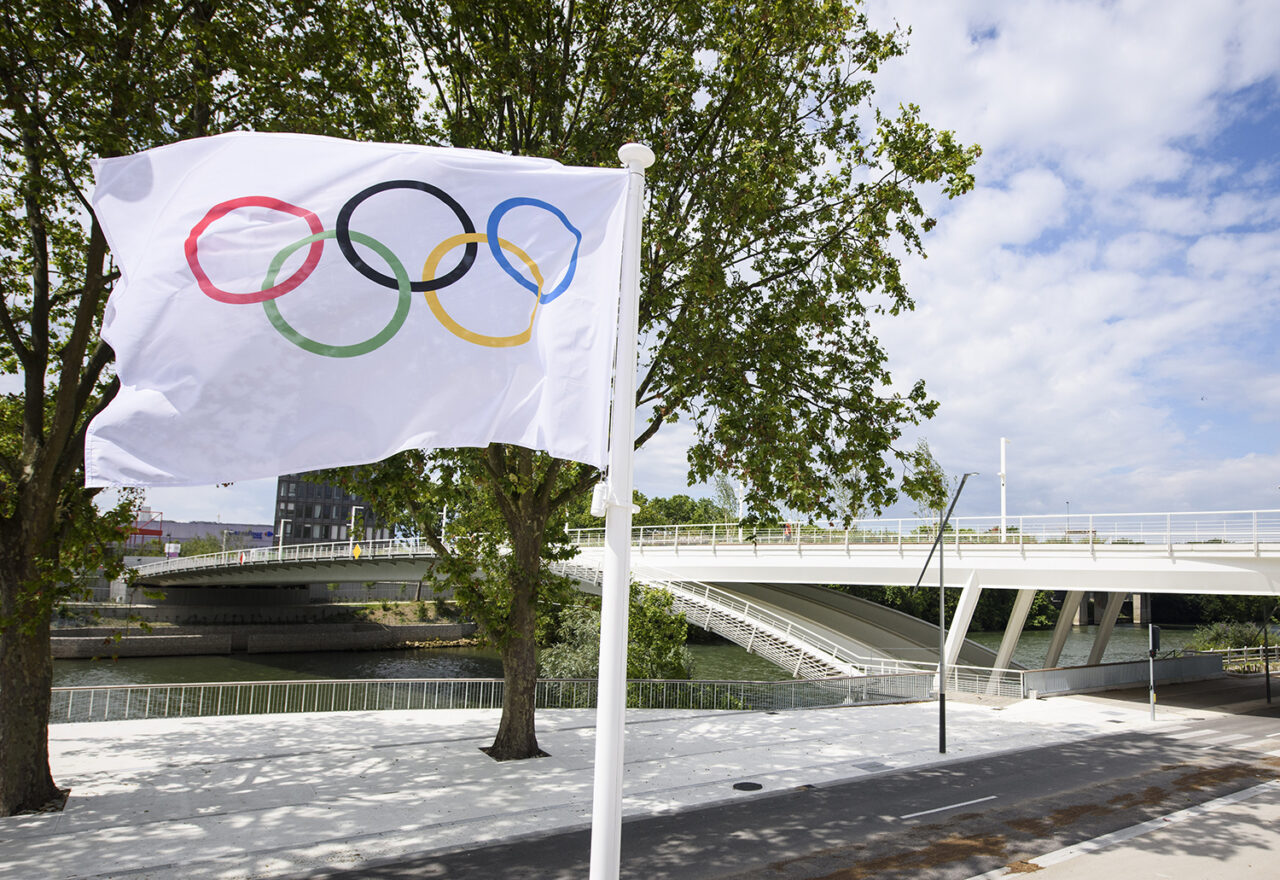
pixel 265 796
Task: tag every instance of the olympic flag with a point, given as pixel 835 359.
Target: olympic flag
pixel 290 302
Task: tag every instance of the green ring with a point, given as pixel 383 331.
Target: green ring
pixel 339 351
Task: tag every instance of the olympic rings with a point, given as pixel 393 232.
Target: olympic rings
pixel 357 348
pixel 437 309
pixel 224 208
pixel 399 280
pixel 492 229
pixel 348 251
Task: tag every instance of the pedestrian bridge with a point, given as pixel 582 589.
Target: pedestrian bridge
pixel 764 588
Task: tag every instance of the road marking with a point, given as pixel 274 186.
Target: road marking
pixel 1193 734
pixel 1124 834
pixel 1224 739
pixel 1275 754
pixel 1269 735
pixel 989 797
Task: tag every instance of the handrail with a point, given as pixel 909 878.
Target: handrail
pixel 319 552
pixel 1187 527
pixel 800 637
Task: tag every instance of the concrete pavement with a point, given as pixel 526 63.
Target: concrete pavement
pixel 265 796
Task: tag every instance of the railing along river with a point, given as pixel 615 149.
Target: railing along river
pixel 124 702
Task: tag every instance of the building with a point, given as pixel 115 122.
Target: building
pixel 308 513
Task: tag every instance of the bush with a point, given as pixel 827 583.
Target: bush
pixel 1225 634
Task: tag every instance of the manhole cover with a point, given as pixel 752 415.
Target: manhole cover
pixel 747 786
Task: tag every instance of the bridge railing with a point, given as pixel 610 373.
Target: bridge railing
pixel 321 552
pixel 960 678
pixel 129 702
pixel 1238 527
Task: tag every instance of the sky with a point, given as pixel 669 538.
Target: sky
pixel 1108 297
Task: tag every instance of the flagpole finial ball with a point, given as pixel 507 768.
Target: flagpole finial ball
pixel 636 156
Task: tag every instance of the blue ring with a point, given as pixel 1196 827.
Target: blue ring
pixel 491 229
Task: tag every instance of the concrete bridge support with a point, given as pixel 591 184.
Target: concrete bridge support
pixel 1070 605
pixel 1105 627
pixel 1012 632
pixel 958 627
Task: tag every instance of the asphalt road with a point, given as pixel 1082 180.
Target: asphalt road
pixel 945 823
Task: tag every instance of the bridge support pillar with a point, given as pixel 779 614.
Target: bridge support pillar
pixel 1105 628
pixel 1141 607
pixel 1017 619
pixel 1066 617
pixel 958 626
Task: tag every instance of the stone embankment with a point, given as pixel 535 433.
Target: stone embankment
pixel 173 641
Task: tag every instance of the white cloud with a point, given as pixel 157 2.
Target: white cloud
pixel 1109 296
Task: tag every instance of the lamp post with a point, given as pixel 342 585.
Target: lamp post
pixel 942 614
pixel 280 543
pixel 351 529
pixel 1067 533
pixel 1004 443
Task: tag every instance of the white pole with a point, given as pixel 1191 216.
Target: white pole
pixel 1004 442
pixel 351 529
pixel 606 801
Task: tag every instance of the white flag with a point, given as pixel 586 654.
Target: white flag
pixel 289 302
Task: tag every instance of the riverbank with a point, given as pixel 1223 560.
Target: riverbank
pixel 175 641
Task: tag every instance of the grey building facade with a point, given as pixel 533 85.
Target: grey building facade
pixel 310 513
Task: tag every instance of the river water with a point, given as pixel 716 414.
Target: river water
pixel 1128 642
pixel 711 661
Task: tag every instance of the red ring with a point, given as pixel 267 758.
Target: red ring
pixel 220 210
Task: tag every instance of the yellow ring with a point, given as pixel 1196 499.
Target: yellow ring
pixel 437 309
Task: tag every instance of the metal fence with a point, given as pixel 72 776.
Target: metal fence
pixel 1251 659
pixel 1196 527
pixel 124 702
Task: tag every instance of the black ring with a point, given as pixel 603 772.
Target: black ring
pixel 343 234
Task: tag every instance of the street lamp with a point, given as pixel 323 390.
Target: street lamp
pixel 1068 532
pixel 351 529
pixel 942 615
pixel 280 543
pixel 1004 443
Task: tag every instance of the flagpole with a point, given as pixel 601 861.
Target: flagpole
pixel 611 704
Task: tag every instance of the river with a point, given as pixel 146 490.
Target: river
pixel 710 661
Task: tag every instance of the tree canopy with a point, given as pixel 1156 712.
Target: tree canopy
pixel 777 212
pixel 776 217
pixel 86 78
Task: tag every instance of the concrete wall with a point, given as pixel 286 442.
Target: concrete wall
pixel 1109 676
pixel 88 647
pixel 355 639
pixel 88 642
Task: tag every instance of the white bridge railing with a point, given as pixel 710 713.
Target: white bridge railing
pixel 1233 527
pixel 1236 527
pixel 392 548
pixel 798 649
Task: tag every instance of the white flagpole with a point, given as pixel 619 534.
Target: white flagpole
pixel 611 705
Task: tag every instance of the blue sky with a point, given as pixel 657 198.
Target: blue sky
pixel 1108 298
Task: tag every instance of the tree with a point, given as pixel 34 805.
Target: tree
pixel 86 78
pixel 776 212
pixel 656 640
pixel 927 484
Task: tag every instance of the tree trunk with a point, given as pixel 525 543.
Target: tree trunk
pixel 517 738
pixel 26 674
